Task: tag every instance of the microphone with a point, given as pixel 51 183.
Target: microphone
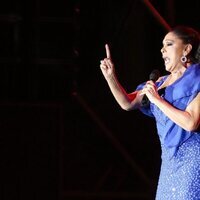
pixel 155 74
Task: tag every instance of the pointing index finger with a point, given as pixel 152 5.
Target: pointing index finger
pixel 107 51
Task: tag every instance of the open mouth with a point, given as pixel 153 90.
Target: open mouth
pixel 166 60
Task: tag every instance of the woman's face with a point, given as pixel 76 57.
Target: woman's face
pixel 172 51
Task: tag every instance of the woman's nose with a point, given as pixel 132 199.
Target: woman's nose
pixel 162 50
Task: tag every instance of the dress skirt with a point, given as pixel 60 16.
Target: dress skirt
pixel 180 175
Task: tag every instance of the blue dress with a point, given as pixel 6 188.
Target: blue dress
pixel 180 167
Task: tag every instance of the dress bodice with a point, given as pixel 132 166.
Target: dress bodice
pixel 179 94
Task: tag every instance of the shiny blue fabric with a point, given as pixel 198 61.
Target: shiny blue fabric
pixel 179 94
pixel 180 175
pixel 180 169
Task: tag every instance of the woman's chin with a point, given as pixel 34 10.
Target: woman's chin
pixel 168 67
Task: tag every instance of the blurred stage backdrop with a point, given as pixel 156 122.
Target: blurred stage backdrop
pixel 63 136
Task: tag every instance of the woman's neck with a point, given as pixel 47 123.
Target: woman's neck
pixel 172 78
pixel 175 75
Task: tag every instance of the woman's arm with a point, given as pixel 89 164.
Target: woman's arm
pixel 125 100
pixel 189 119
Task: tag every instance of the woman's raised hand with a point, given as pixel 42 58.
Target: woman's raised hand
pixel 106 65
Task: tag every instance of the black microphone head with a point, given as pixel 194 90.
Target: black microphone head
pixel 155 74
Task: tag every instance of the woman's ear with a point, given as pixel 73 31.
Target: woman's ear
pixel 188 49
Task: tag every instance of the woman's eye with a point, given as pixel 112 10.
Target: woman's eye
pixel 169 44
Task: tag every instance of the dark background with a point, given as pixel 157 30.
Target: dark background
pixel 63 136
